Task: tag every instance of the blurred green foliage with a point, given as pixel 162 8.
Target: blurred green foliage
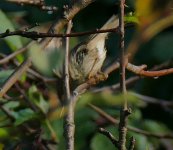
pixel 26 127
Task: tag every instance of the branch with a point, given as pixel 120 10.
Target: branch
pixel 15 53
pixel 152 100
pixel 130 80
pixel 139 71
pixel 68 15
pixel 109 136
pixel 36 3
pixel 130 128
pixel 132 143
pixel 35 35
pixel 56 26
pixel 125 112
pixel 93 81
pixel 15 76
pixel 69 126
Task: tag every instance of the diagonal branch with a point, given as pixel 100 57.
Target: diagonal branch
pixel 56 26
pixel 15 76
pixel 130 128
pixel 109 136
pixel 36 3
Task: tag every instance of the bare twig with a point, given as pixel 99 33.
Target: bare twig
pixel 130 128
pixel 14 54
pixel 132 143
pixel 36 35
pixel 69 15
pixel 152 100
pixel 82 88
pixel 132 79
pixel 125 112
pixel 139 70
pixel 27 100
pixel 30 71
pixel 55 27
pixel 15 76
pixel 37 3
pixel 109 136
pixel 69 126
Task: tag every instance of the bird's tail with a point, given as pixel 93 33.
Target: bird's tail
pixel 113 22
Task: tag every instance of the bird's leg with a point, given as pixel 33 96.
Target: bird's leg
pixel 100 76
pixel 90 73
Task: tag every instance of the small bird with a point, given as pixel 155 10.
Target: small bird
pixel 87 58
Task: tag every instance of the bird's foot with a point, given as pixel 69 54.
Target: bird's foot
pixel 100 76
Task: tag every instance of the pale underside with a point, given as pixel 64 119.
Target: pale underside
pixel 90 63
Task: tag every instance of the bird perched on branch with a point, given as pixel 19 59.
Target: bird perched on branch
pixel 87 58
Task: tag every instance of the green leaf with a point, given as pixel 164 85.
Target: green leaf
pixel 14 42
pixel 131 18
pixel 155 127
pixel 3 134
pixel 45 61
pixel 4 74
pixel 100 142
pixel 107 99
pixel 23 115
pixel 11 105
pixel 37 98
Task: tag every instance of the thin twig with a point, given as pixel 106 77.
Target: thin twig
pixel 131 79
pixel 14 54
pixel 69 126
pixel 130 128
pixel 36 35
pixel 152 100
pixel 139 70
pixel 132 143
pixel 109 136
pixel 27 100
pixel 37 3
pixel 125 112
pixel 56 26
pixel 15 76
pixel 30 71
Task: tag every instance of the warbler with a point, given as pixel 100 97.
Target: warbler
pixel 86 59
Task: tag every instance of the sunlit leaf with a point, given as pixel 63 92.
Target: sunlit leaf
pixel 131 18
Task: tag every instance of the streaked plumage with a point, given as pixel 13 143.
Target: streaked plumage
pixel 87 58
